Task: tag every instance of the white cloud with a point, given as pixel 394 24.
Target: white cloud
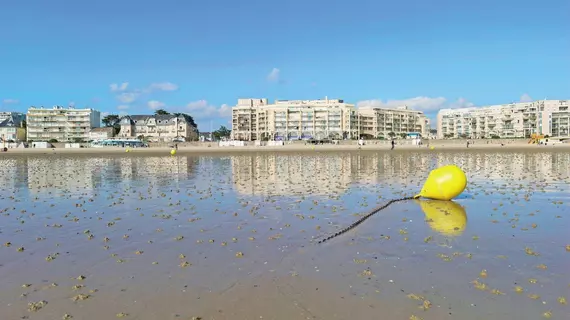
pixel 162 86
pixel 154 105
pixel 201 109
pixel 119 87
pixel 10 101
pixel 127 97
pixel 426 104
pixel 274 75
pixel 122 107
pixel 525 98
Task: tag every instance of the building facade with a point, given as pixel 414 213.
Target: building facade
pixel 61 124
pixel 515 120
pixel 101 133
pixel 390 123
pixel 255 119
pixel 158 128
pixel 12 128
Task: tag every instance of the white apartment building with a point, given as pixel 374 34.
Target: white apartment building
pixel 390 123
pixel 61 124
pixel 515 120
pixel 256 119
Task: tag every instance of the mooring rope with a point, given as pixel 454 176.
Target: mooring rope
pixel 368 215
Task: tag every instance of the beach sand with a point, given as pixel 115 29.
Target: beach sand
pixel 151 236
pixel 435 146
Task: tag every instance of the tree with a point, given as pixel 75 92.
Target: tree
pixel 223 132
pixel 391 134
pixel 112 120
pixel 161 112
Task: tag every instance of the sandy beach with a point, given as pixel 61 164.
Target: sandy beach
pixel 435 146
pixel 233 235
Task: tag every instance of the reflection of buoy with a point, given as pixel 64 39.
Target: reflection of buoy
pixel 446 217
pixel 173 151
pixel 432 147
pixel 444 183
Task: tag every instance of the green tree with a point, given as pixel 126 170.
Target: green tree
pixel 223 132
pixel 112 120
pixel 391 134
pixel 161 112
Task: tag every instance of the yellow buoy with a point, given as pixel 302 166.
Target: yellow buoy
pixel 446 217
pixel 127 150
pixel 444 183
pixel 432 147
pixel 173 151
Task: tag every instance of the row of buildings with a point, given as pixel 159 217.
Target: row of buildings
pixel 257 119
pixel 514 120
pixel 77 125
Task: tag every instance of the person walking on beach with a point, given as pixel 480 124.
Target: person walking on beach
pixel 393 144
pixel 467 143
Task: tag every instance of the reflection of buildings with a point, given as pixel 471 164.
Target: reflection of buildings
pixel 61 174
pixel 83 174
pixel 13 173
pixel 323 174
pixel 271 174
pixel 162 170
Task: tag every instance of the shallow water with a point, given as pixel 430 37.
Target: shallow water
pixel 234 237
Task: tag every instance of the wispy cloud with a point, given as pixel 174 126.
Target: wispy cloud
pixel 274 76
pixel 154 104
pixel 426 104
pixel 119 87
pixel 127 95
pixel 162 86
pixel 10 101
pixel 526 98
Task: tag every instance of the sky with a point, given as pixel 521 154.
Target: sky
pixel 199 57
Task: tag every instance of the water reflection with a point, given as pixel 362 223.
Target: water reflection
pixel 282 174
pixel 445 217
pixel 84 174
pixel 324 174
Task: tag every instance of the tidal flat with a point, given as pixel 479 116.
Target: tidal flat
pixel 235 237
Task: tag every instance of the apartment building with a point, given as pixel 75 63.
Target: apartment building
pixel 61 124
pixel 514 120
pixel 390 123
pixel 12 127
pixel 159 128
pixel 256 119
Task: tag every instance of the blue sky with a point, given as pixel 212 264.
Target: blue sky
pixel 201 56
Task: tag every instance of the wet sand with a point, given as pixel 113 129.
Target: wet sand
pixel 297 148
pixel 234 237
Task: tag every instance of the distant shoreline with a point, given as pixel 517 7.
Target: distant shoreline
pixel 296 148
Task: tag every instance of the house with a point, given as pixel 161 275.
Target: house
pixel 101 133
pixel 12 127
pixel 159 128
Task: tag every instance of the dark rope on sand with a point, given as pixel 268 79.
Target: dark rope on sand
pixel 368 215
